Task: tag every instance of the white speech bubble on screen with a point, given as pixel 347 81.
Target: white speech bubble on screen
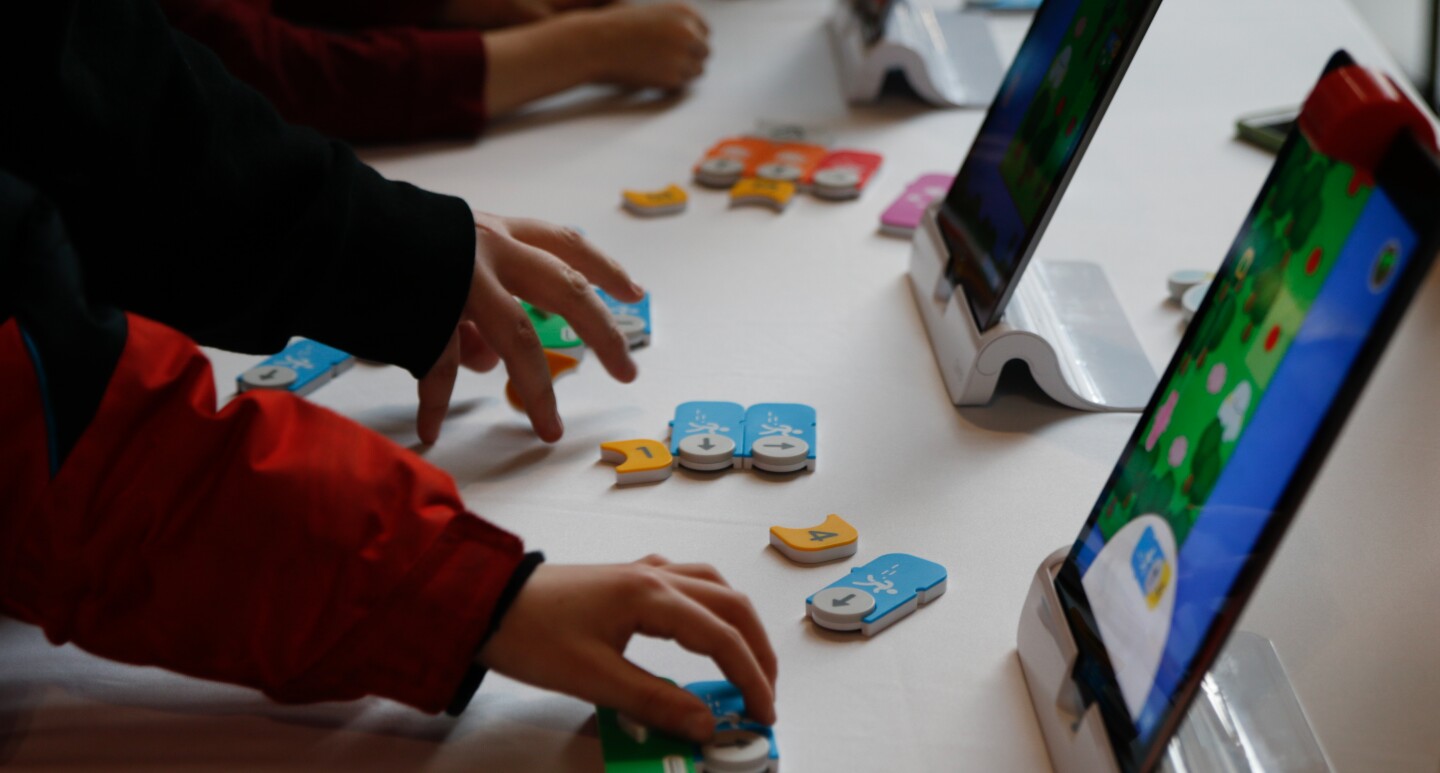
pixel 1131 588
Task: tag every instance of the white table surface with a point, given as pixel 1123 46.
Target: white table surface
pixel 812 306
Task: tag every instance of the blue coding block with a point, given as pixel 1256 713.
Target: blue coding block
pixel 779 437
pixel 874 596
pixel 300 368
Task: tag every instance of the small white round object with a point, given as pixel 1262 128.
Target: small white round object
pixel 1191 300
pixel 268 377
pixel 842 608
pixel 737 751
pixel 837 184
pixel 632 327
pixel 779 453
pixel 781 172
pixel 1180 282
pixel 719 172
pixel 707 451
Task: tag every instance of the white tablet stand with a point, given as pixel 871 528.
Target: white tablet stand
pixel 1062 320
pixel 948 57
pixel 1244 718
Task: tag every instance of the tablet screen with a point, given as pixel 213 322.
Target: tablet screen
pixel 1238 418
pixel 1047 109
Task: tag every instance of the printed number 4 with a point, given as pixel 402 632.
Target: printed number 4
pixel 821 536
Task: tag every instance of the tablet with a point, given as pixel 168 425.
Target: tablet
pixel 1299 312
pixel 1036 130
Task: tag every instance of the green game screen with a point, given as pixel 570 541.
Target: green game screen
pixel 1048 104
pixel 1288 313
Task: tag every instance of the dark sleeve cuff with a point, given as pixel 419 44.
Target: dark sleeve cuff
pixel 396 288
pixel 473 677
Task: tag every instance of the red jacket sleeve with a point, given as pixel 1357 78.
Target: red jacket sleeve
pixel 391 83
pixel 360 13
pixel 272 543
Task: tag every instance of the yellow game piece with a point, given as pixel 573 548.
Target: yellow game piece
pixel 830 540
pixel 560 364
pixel 770 193
pixel 654 203
pixel 641 461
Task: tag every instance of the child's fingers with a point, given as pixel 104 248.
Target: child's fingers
pixel 545 281
pixel 506 328
pixel 475 352
pixel 651 701
pixel 734 608
pixel 575 250
pixel 695 627
pixel 434 391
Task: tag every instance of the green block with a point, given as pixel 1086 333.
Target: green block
pixel 659 754
pixel 554 331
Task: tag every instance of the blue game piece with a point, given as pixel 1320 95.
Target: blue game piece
pixel 779 437
pixel 633 319
pixel 707 435
pixel 738 740
pixel 300 368
pixel 872 597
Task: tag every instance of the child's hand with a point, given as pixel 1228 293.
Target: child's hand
pixel 645 46
pixel 553 268
pixel 567 631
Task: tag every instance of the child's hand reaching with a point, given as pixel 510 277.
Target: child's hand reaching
pixel 568 628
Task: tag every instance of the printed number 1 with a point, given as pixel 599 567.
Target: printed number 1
pixel 821 536
pixel 647 453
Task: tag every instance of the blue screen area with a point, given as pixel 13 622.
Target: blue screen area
pixel 1267 356
pixel 1045 107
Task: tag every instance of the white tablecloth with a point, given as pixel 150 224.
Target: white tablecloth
pixel 811 306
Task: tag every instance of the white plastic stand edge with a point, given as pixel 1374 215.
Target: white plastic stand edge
pixel 948 57
pixel 1075 738
pixel 1063 321
pixel 1246 718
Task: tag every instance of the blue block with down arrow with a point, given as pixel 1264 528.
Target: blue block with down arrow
pixel 874 596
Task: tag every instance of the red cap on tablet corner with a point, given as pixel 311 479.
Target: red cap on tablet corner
pixel 1354 113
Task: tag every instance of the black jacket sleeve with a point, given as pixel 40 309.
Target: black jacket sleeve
pixel 192 203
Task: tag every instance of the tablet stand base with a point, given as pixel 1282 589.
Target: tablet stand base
pixel 1245 717
pixel 1063 321
pixel 948 57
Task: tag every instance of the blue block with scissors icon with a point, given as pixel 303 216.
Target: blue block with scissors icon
pixel 779 437
pixel 740 743
pixel 633 319
pixel 874 596
pixel 300 368
pixel 706 435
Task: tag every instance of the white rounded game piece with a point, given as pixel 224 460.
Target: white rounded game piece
pixel 719 172
pixel 779 453
pixel 707 451
pixel 1191 300
pixel 1180 282
pixel 737 751
pixel 781 172
pixel 841 182
pixel 841 608
pixel 268 377
pixel 632 327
